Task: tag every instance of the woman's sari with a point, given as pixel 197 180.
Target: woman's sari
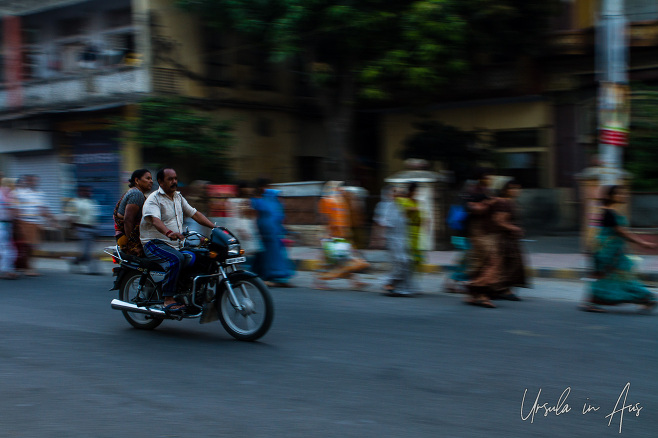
pixel 272 263
pixel 616 282
pixel 129 244
pixel 411 209
pixel 513 265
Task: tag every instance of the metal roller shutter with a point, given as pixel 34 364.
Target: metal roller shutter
pixel 50 172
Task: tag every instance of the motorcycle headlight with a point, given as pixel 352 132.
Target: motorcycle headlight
pixel 234 250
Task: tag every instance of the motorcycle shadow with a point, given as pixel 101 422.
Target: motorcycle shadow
pixel 189 336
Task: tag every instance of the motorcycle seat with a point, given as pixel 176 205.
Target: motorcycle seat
pixel 143 262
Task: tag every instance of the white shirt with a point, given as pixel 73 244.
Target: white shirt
pixel 29 204
pixel 170 211
pixel 84 211
pixel 5 206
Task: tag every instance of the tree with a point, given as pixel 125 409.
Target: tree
pixel 195 142
pixel 351 49
pixel 642 154
pixel 459 151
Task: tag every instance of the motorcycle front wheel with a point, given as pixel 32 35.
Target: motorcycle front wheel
pixel 252 316
pixel 128 293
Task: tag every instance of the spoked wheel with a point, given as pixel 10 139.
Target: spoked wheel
pixel 128 293
pixel 255 318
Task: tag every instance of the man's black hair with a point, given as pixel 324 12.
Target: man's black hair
pixel 160 175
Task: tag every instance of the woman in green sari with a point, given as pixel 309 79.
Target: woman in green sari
pixel 411 207
pixel 615 282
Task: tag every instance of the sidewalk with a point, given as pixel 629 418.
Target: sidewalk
pixel 556 257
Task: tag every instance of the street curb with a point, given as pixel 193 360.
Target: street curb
pixel 316 265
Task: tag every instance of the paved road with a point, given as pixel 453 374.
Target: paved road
pixel 335 363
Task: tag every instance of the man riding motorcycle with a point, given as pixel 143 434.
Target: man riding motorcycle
pixel 161 231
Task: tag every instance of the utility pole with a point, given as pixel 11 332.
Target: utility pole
pixel 612 42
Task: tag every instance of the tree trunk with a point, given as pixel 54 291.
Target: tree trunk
pixel 338 126
pixel 338 110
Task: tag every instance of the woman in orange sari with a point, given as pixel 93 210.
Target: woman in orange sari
pixel 334 206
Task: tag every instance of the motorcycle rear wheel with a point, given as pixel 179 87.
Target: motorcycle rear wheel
pixel 128 292
pixel 255 319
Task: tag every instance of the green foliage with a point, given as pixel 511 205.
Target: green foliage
pixel 458 150
pixel 180 135
pixel 386 44
pixel 380 49
pixel 642 153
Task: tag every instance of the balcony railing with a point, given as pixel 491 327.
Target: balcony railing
pixel 76 89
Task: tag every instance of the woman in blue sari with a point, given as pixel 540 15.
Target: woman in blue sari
pixel 615 282
pixel 272 264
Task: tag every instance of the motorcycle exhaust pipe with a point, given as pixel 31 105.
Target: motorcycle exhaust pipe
pixel 130 307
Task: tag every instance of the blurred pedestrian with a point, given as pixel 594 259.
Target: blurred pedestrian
pixel 7 250
pixel 83 214
pixel 341 258
pixel 399 283
pixel 484 260
pixel 354 197
pixel 272 263
pixel 613 269
pixel 457 222
pixel 378 233
pixel 128 212
pixel 242 222
pixel 507 218
pixel 31 213
pixel 412 210
pixel 196 194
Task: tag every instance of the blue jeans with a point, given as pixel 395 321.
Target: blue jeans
pixel 171 261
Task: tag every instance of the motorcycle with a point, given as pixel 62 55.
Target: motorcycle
pixel 210 285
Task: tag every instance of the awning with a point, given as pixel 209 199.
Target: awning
pixel 26 7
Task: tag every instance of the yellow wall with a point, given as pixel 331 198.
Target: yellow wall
pixel 586 13
pixel 183 30
pixel 130 150
pixel 253 154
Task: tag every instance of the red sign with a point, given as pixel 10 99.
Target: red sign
pixel 221 190
pixel 13 59
pixel 613 137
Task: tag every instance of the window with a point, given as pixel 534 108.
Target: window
pixel 525 167
pixel 521 155
pixel 263 127
pixel 517 139
pixel 118 18
pixel 118 47
pixel 262 73
pixel 217 58
pixel 70 27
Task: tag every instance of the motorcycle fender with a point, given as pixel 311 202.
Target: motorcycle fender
pixel 119 274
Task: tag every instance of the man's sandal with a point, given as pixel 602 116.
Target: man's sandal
pixel 174 308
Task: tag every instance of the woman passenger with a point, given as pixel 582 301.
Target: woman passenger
pixel 128 212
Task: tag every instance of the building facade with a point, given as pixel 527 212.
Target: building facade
pixel 71 69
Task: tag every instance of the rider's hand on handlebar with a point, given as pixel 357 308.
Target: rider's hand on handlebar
pixel 176 236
